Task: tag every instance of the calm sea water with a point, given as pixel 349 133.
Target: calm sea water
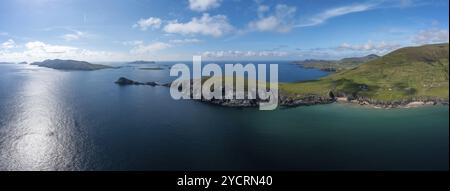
pixel 60 120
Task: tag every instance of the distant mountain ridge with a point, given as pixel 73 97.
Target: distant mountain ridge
pixel 337 65
pixel 363 59
pixel 13 63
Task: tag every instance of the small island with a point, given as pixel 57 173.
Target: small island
pixel 152 68
pixel 142 62
pixel 70 65
pixel 122 81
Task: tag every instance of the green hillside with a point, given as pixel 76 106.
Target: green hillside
pixel 406 73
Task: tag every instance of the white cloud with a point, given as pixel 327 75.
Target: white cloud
pixel 262 9
pixel 242 54
pixel 38 51
pixel 185 41
pixel 150 48
pixel 279 21
pixel 215 26
pixel 380 48
pixel 151 22
pixel 203 5
pixel 8 44
pixel 70 37
pixel 73 36
pixel 335 12
pixel 133 43
pixel 431 36
pixel 140 48
pixel 40 47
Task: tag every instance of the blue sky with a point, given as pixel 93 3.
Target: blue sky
pixel 117 30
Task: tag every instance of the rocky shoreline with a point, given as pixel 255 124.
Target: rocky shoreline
pixel 317 100
pixel 409 103
pixel 298 100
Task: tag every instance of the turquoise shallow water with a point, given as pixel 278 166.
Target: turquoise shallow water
pixel 339 136
pixel 56 120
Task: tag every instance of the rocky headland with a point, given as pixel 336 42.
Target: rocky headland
pixel 289 100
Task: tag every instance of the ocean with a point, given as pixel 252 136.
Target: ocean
pixel 81 120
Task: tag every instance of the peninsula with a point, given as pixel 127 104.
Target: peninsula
pixel 409 76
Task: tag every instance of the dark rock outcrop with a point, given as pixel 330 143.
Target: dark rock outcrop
pixel 122 81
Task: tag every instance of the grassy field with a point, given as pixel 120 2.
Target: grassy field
pixel 407 73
